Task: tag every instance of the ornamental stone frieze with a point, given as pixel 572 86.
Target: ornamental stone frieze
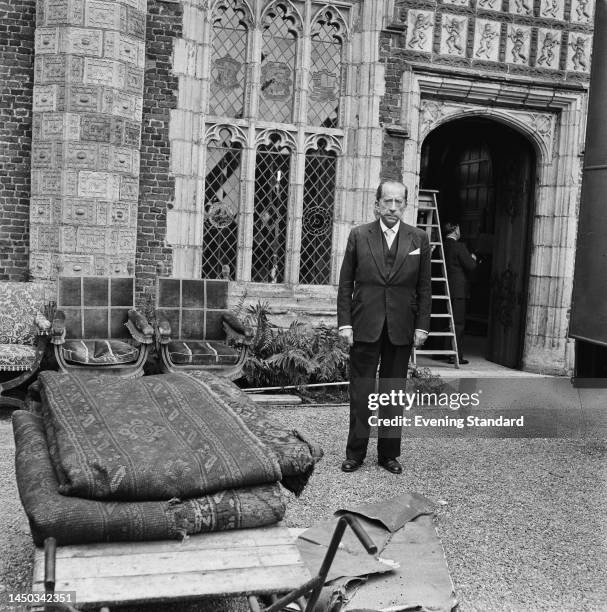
pixel 435 112
pixel 86 135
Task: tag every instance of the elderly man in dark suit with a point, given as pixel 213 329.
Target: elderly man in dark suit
pixel 383 309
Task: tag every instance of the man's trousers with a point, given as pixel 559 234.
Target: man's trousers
pixel 364 359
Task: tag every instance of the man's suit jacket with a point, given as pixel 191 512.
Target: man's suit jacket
pixel 369 294
pixel 459 264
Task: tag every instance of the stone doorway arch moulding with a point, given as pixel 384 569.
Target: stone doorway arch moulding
pixel 553 120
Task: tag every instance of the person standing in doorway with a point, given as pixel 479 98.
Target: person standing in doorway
pixel 383 309
pixel 459 263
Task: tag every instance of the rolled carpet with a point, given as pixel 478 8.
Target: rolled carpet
pixel 74 520
pixel 152 438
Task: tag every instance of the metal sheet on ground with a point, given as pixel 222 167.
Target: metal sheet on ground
pixel 422 581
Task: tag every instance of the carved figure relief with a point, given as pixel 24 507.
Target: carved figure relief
pixel 517 50
pixel 458 2
pixel 454 35
pixel 487 4
pixel 486 40
pixel 578 59
pixel 581 11
pixel 521 7
pixel 549 42
pixel 420 30
pixel 553 9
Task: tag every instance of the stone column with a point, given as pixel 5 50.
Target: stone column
pixel 88 96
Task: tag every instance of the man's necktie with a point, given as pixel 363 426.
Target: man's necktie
pixel 389 234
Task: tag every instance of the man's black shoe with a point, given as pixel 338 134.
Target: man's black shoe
pixel 392 465
pixel 350 465
pixel 461 361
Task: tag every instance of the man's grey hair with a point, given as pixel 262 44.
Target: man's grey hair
pixel 380 189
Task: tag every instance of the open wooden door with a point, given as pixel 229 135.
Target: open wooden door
pixel 513 197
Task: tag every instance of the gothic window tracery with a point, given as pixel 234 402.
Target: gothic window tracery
pixel 231 24
pixel 270 190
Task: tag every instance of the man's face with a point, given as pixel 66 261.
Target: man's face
pixel 392 203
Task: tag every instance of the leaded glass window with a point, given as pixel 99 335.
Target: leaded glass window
pixel 317 222
pixel 229 60
pixel 221 208
pixel 325 71
pixel 272 171
pixel 278 64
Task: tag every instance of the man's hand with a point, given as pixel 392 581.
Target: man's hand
pixel 348 335
pixel 419 338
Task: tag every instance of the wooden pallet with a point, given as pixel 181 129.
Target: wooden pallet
pixel 247 561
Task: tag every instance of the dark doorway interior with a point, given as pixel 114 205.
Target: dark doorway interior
pixel 484 173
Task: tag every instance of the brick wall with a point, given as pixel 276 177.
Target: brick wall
pixel 16 87
pixel 157 186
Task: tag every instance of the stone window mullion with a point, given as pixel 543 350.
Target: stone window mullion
pixel 295 210
pixel 247 200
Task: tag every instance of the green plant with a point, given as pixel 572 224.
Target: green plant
pixel 297 355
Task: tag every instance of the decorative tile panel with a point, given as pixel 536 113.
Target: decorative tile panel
pixel 549 48
pixel 47 40
pixel 454 35
pixel 420 30
pixel 552 9
pixel 44 98
pixel 582 11
pixel 82 41
pixel 489 5
pixel 487 40
pixel 82 99
pixel 521 7
pixel 518 44
pixel 578 53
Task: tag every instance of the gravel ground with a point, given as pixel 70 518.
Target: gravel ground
pixel 522 521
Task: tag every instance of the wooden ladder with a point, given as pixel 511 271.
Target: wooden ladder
pixel 428 220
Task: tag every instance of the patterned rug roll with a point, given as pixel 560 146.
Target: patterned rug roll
pixel 74 520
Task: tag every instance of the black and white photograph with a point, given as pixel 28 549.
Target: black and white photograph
pixel 303 305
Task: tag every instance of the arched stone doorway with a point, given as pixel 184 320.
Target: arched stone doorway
pixel 484 172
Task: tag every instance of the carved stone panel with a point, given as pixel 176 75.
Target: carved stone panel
pixel 77 265
pixel 458 2
pixel 420 30
pixel 548 48
pixel 80 98
pixel 454 34
pixel 42 155
pixel 541 125
pixel 518 44
pixel 552 9
pixel 135 23
pixel 120 213
pixel 79 211
pixel 51 69
pixel 81 155
pixel 520 7
pixel 96 127
pixel 487 40
pixel 82 41
pixel 121 160
pixel 47 40
pixel 582 11
pixel 45 98
pixel 102 15
pixel 91 240
pixel 98 185
pixel 490 5
pixel 129 188
pixel 578 53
